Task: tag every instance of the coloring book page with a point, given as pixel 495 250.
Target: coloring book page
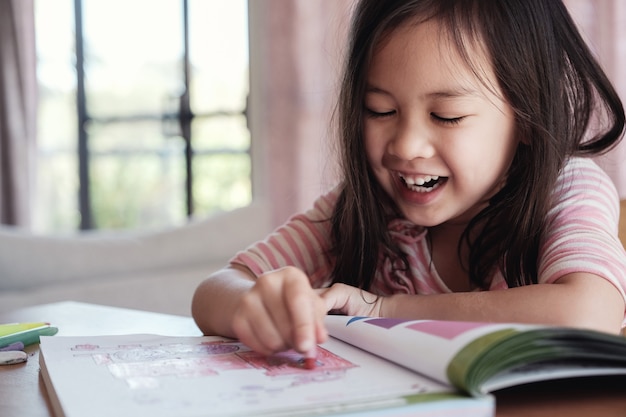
pixel 137 375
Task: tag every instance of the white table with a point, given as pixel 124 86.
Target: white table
pixel 22 393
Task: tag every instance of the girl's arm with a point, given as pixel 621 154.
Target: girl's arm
pixel 215 300
pixel 274 312
pixel 575 300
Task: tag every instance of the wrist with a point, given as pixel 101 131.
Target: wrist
pixel 385 306
pixel 399 306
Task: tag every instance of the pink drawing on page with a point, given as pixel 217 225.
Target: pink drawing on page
pixel 292 362
pixel 141 366
pixel 444 329
pixel 447 329
pixel 86 347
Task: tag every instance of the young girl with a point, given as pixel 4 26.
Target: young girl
pixel 466 194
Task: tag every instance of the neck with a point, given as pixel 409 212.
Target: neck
pixel 448 261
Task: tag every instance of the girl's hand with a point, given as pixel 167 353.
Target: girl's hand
pixel 351 301
pixel 279 312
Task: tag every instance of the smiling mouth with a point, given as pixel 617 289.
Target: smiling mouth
pixel 422 183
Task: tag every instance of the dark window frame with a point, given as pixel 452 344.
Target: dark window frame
pixel 183 117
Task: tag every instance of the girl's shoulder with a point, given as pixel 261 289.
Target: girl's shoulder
pixel 582 182
pixel 324 206
pixel 584 175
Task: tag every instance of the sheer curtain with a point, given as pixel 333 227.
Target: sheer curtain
pixel 17 110
pixel 603 24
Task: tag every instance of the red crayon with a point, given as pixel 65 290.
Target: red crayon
pixel 309 363
pixel 310 359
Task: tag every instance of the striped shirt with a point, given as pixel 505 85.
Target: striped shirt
pixel 581 236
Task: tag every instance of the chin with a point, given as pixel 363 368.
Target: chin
pixel 423 220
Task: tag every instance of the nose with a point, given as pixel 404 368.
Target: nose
pixel 411 140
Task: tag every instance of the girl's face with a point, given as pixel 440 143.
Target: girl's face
pixel 437 139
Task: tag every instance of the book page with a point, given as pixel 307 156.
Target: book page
pixel 548 371
pixel 425 346
pixel 481 357
pixel 147 375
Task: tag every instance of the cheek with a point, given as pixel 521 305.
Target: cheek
pixel 482 161
pixel 373 146
pixel 498 143
pixel 507 147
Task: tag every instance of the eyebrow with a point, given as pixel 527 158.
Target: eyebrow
pixel 457 92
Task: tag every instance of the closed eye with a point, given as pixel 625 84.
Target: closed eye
pixel 447 120
pixel 376 114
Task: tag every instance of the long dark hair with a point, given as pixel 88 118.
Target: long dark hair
pixel 557 90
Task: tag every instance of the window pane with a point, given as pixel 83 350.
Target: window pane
pixel 133 55
pixel 222 182
pixel 221 167
pixel 137 176
pixel 219 83
pixel 221 133
pixel 55 206
pixel 218 33
pixel 134 73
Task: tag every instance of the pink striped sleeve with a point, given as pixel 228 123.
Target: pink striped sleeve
pixel 302 242
pixel 583 224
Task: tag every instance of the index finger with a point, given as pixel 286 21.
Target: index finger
pixel 306 310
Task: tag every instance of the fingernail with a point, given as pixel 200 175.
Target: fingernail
pixel 306 346
pixel 311 353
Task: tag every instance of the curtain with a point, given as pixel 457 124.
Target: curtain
pixel 17 110
pixel 603 24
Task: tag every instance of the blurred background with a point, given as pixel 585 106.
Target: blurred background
pixel 143 114
pixel 146 113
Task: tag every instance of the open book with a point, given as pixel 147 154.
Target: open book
pixel 370 366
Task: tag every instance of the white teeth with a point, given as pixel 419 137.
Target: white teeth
pixel 417 183
pixel 419 180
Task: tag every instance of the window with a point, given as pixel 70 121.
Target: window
pixel 142 112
